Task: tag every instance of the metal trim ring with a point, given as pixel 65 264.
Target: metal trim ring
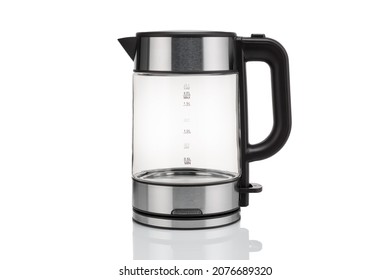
pixel 189 223
pixel 162 199
pixel 185 53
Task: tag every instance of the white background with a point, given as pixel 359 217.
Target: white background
pixel 65 136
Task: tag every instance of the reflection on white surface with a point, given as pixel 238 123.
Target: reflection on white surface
pixel 223 243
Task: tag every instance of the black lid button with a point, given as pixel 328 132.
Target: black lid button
pixel 258 36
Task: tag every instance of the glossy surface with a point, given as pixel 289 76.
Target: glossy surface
pixel 184 53
pixel 187 224
pixel 185 176
pixel 185 122
pixel 231 242
pixel 163 199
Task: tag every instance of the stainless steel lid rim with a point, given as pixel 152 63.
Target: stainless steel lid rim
pixel 186 54
pixel 186 34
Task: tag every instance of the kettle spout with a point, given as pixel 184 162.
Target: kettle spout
pixel 130 45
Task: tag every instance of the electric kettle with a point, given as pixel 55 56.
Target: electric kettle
pixel 191 152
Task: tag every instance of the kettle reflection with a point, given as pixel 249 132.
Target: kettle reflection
pixel 223 243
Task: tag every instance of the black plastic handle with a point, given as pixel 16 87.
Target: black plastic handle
pixel 259 48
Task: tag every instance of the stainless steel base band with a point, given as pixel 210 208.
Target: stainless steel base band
pixel 187 223
pixel 185 207
pixel 163 200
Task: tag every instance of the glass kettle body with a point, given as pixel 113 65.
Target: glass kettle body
pixel 190 135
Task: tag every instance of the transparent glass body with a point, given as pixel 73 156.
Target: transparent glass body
pixel 185 128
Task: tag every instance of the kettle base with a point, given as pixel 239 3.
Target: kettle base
pixel 190 223
pixel 186 207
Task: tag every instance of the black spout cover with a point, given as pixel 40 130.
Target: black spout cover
pixel 130 45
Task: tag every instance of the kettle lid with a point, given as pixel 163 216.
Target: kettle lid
pixel 186 34
pixel 182 51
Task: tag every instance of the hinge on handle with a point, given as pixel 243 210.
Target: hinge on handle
pixel 253 188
